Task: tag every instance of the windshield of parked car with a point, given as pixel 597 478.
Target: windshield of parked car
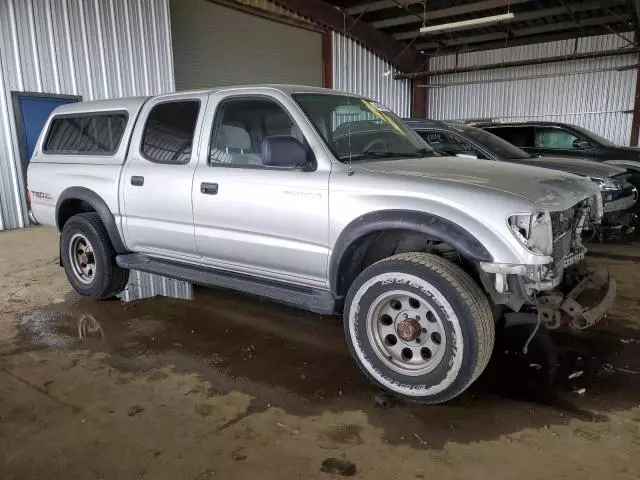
pixel 594 136
pixel 359 129
pixel 494 144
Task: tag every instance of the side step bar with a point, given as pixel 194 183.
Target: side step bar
pixel 317 301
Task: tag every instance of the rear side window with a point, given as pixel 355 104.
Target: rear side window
pixel 168 134
pixel 550 137
pixel 519 136
pixel 98 134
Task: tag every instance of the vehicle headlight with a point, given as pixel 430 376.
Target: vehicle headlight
pixel 533 231
pixel 608 183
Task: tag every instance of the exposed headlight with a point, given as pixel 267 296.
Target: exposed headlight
pixel 533 231
pixel 608 183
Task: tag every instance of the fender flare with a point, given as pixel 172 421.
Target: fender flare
pixel 101 208
pixel 420 222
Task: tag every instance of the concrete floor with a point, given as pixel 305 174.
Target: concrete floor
pixel 229 387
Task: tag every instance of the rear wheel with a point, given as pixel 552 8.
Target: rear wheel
pixel 89 259
pixel 419 326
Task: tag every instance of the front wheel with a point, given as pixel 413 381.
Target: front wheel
pixel 419 326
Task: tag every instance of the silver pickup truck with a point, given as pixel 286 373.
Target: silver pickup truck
pixel 252 189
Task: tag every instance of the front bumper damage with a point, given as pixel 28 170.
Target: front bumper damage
pixel 581 307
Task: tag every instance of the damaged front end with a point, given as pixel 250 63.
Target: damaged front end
pixel 563 293
pixel 582 302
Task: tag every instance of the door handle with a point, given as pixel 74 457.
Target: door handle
pixel 137 180
pixel 209 188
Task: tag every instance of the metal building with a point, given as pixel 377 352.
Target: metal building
pixel 53 52
pixel 358 70
pixel 597 93
pixel 57 52
pixel 575 61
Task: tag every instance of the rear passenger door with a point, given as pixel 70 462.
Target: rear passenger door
pixel 251 217
pixel 157 179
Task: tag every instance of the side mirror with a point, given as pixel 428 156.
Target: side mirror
pixel 283 151
pixel 580 144
pixel 467 155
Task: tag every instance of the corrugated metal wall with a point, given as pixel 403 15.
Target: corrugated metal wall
pixel 93 48
pixel 272 8
pixel 358 70
pixel 599 101
pixel 209 51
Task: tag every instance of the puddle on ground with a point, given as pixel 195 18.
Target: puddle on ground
pixel 300 362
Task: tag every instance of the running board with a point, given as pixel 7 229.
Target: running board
pixel 317 301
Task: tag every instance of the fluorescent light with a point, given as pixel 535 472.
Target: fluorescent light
pixel 468 23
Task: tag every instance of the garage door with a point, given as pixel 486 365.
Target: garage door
pixel 215 45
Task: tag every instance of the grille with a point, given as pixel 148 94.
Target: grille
pixel 563 225
pixel 562 221
pixel 561 248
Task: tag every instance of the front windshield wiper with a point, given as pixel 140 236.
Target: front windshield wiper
pixel 426 152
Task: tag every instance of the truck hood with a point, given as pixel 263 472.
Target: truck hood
pixel 548 189
pixel 578 166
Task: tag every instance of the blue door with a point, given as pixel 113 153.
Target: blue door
pixel 33 112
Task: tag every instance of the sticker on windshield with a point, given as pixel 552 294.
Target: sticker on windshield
pixel 382 113
pixel 380 107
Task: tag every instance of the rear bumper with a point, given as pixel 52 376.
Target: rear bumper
pixel 583 307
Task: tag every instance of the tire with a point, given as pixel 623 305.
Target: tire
pixel 99 277
pixel 446 304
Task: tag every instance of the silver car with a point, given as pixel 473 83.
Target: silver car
pixel 264 189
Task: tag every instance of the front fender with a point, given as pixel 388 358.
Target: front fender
pixel 420 222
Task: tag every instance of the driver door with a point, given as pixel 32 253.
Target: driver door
pixel 253 218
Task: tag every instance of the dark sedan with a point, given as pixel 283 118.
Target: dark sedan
pixel 566 140
pixel 466 141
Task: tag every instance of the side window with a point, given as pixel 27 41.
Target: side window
pixel 168 133
pixel 519 136
pixel 241 127
pixel 549 137
pixel 448 144
pixel 98 134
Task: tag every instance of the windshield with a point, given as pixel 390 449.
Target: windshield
pixel 359 129
pixel 594 136
pixel 496 145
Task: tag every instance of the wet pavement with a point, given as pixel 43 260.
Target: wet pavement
pixel 226 386
pixel 299 362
